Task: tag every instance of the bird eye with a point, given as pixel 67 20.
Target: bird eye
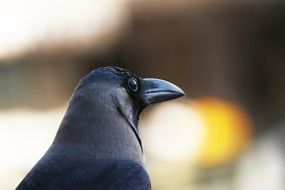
pixel 133 84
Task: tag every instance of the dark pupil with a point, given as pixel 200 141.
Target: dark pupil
pixel 133 85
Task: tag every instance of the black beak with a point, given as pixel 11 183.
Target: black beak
pixel 157 90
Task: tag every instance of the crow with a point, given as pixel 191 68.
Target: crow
pixel 98 145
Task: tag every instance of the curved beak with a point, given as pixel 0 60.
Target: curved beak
pixel 157 90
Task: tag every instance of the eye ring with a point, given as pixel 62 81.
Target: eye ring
pixel 133 84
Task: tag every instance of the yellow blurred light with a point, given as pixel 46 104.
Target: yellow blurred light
pixel 227 131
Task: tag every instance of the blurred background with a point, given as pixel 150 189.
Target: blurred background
pixel 228 56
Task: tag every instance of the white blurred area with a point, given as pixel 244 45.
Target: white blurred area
pixel 263 166
pixel 30 23
pixel 180 130
pixel 25 136
pixel 173 136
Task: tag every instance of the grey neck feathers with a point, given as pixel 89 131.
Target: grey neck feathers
pixel 99 131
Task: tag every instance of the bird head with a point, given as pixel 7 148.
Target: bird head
pixel 123 90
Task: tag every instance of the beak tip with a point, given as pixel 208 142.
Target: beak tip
pixel 182 93
pixel 178 91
